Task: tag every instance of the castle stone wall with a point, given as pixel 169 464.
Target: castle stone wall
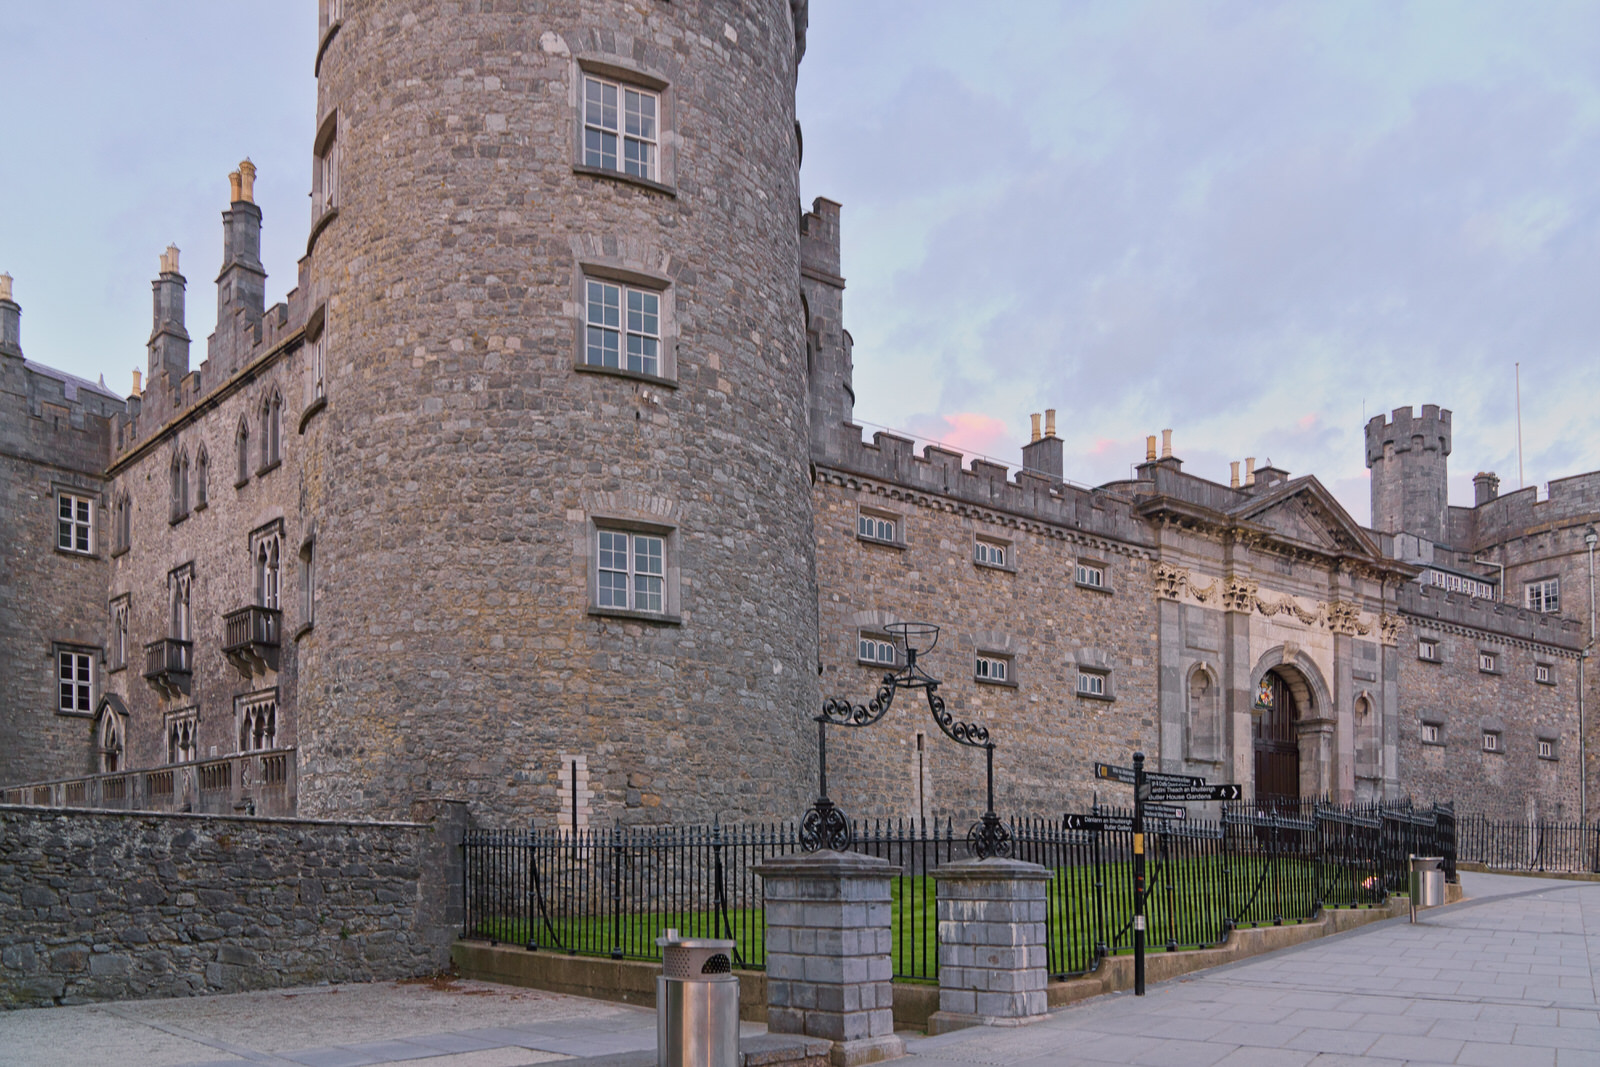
pixel 465 464
pixel 106 905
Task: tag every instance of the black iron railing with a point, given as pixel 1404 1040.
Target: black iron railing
pixel 1556 847
pixel 611 892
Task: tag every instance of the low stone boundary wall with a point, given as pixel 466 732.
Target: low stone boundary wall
pixel 98 905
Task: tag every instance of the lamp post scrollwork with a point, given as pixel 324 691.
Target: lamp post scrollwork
pixel 825 825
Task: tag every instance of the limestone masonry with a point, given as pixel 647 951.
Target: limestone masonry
pixel 541 489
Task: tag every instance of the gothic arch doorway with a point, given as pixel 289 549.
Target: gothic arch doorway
pixel 1275 738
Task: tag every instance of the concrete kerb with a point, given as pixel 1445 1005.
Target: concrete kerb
pixel 633 981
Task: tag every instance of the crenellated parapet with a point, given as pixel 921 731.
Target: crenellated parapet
pixel 890 460
pixel 1429 607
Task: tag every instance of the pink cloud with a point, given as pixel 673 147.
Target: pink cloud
pixel 964 431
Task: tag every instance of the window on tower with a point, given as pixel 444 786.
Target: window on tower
pixel 623 115
pixel 634 572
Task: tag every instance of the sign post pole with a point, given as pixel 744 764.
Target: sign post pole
pixel 1139 790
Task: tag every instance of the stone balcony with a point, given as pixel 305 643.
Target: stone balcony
pixel 252 637
pixel 169 666
pixel 254 783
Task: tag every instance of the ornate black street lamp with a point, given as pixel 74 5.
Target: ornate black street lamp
pixel 825 825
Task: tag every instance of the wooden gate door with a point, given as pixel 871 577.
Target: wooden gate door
pixel 1277 749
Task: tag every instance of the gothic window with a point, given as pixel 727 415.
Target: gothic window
pixel 119 634
pixel 258 721
pixel 621 128
pixel 267 571
pixel 242 442
pixel 988 552
pixel 183 743
pixel 880 527
pixel 111 740
pixel 875 649
pixel 180 486
pixel 271 431
pixel 179 585
pixel 121 524
pixel 74 523
pixel 1090 575
pixel 994 669
pixel 202 467
pixel 1094 683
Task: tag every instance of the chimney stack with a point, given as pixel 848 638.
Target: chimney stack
pixel 1485 487
pixel 242 283
pixel 10 320
pixel 1150 449
pixel 1233 478
pixel 247 181
pixel 1166 444
pixel 169 340
pixel 1043 454
pixel 1249 471
pixel 136 383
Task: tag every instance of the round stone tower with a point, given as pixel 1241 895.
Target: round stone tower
pixel 1409 458
pixel 563 548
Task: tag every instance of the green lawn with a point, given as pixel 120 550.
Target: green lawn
pixel 1089 906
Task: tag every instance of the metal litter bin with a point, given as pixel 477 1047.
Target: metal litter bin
pixel 1427 883
pixel 697 1003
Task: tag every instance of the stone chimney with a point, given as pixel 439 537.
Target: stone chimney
pixel 1044 455
pixel 1485 487
pixel 242 283
pixel 1166 444
pixel 1249 471
pixel 10 320
pixel 1150 449
pixel 169 340
pixel 1233 477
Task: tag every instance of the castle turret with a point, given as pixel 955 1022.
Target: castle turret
pixel 828 356
pixel 10 320
pixel 1407 454
pixel 169 340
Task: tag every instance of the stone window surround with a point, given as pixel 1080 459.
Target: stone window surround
pixel 1546 591
pixel 607 67
pixel 1009 547
pixel 179 505
pixel 241 444
pixel 1493 665
pixel 659 284
pixel 180 602
pixel 1092 564
pixel 171 725
pixel 671 615
pixel 1009 681
pixel 330 16
pixel 271 451
pixel 308 582
pixel 324 169
pixel 899 521
pixel 316 350
pixel 121 611
pixel 96 658
pixel 1422 732
pixel 121 524
pixel 77 493
pixel 1426 645
pixel 1548 670
pixel 266 551
pixel 1497 746
pixel 1548 748
pixel 247 708
pixel 866 634
pixel 1107 694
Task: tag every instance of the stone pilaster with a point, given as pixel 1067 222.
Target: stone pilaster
pixel 828 968
pixel 992 962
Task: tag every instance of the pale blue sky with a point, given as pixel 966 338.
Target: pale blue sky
pixel 1250 222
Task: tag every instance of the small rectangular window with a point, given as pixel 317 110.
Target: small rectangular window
pixel 75 678
pixel 1091 575
pixel 1486 662
pixel 74 523
pixel 622 328
pixel 1544 595
pixel 991 553
pixel 1428 650
pixel 993 669
pixel 632 571
pixel 876 527
pixel 1547 749
pixel 620 128
pixel 874 649
pixel 1542 673
pixel 1091 683
pixel 1491 741
pixel 1431 734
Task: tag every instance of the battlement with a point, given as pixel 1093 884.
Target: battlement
pixel 891 458
pixel 1405 431
pixel 1425 604
pixel 49 416
pixel 819 242
pixel 1570 501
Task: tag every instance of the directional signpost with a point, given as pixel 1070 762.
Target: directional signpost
pixel 1153 795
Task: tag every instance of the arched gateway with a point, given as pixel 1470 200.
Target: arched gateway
pixel 1274 739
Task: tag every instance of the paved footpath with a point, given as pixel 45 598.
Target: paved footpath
pixel 1506 978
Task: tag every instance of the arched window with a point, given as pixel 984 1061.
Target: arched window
pixel 202 466
pixel 109 740
pixel 180 485
pixel 1204 733
pixel 243 440
pixel 267 572
pixel 271 430
pixel 180 607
